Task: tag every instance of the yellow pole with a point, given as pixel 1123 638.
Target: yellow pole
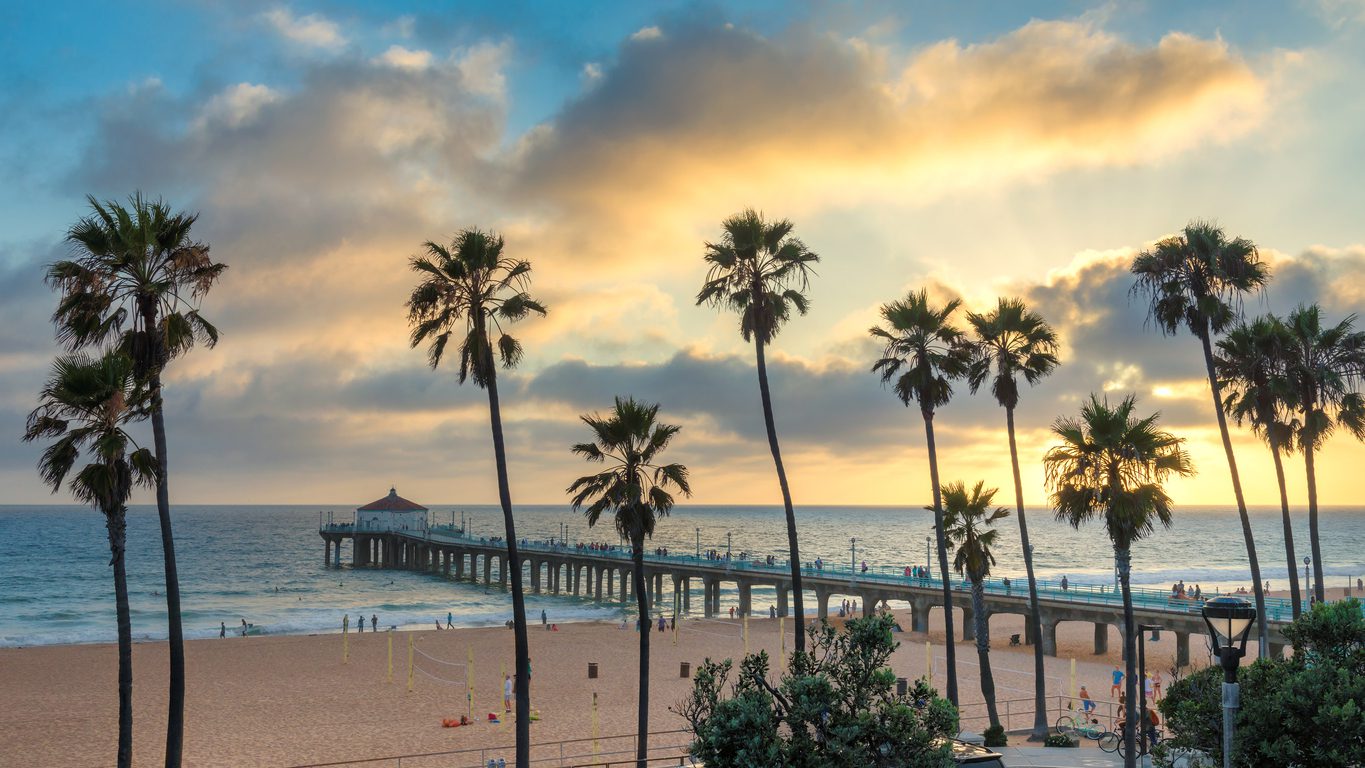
pixel 595 747
pixel 1073 678
pixel 469 679
pixel 410 663
pixel 928 661
pixel 746 634
pixel 390 657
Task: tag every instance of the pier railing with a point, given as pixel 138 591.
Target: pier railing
pixel 1278 609
pixel 666 748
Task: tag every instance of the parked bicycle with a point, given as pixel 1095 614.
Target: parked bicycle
pixel 1073 725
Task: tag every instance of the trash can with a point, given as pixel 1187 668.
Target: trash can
pixel 902 685
pixel 685 669
pixel 592 670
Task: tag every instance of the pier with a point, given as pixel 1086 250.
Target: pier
pixel 605 576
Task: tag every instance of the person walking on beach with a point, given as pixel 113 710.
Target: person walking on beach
pixel 732 611
pixel 543 618
pixel 222 629
pixel 1087 704
pixel 506 693
pixel 1156 685
pixel 244 626
pixel 1117 687
pixel 362 624
pixel 374 622
pixel 1147 687
pixel 450 619
pixel 772 611
pixel 662 624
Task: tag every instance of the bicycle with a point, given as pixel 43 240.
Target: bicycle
pixel 1069 725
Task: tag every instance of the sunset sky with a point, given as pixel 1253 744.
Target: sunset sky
pixel 977 149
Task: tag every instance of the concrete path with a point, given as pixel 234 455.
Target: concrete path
pixel 1038 757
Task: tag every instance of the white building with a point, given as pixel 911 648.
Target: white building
pixel 391 513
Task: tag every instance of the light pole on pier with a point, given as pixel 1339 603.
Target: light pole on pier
pixel 698 543
pixel 727 545
pixel 928 562
pixel 853 554
pixel 1307 577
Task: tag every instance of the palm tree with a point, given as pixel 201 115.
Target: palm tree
pixel 921 340
pixel 761 271
pixel 470 287
pixel 1110 466
pixel 1010 342
pixel 1196 280
pixel 967 521
pixel 1252 368
pixel 635 488
pixel 85 406
pixel 138 277
pixel 1325 365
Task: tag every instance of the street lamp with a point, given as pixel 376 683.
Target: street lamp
pixel 1142 676
pixel 1307 579
pixel 698 543
pixel 727 545
pixel 853 555
pixel 1230 620
pixel 928 563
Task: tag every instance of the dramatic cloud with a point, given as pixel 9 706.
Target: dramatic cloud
pixel 311 30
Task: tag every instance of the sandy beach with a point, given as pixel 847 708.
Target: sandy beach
pixel 290 700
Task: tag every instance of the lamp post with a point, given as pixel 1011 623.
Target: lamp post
pixel 1142 680
pixel 727 545
pixel 852 555
pixel 1229 620
pixel 1308 578
pixel 698 543
pixel 928 562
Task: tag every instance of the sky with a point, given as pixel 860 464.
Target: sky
pixel 974 149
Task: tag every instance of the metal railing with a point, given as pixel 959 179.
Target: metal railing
pixel 666 748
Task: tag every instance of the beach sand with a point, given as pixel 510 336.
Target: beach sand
pixel 289 700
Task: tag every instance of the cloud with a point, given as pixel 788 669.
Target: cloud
pixel 237 105
pixel 481 66
pixel 646 33
pixel 403 58
pixel 312 30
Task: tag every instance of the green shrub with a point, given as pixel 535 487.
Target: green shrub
pixel 995 736
pixel 1059 740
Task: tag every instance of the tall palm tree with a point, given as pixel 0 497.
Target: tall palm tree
pixel 471 288
pixel 138 276
pixel 1197 280
pixel 1110 466
pixel 1325 366
pixel 634 487
pixel 921 339
pixel 1010 342
pixel 968 524
pixel 1252 366
pixel 761 271
pixel 85 406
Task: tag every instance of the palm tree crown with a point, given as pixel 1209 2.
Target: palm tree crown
pixel 85 406
pixel 1253 373
pixel 1196 279
pixel 1326 366
pixel 760 270
pixel 466 287
pixel 965 514
pixel 135 265
pixel 1011 341
pixel 921 340
pixel 1111 465
pixel 633 486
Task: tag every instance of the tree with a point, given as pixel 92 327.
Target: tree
pixel 967 522
pixel 760 270
pixel 1110 466
pixel 471 288
pixel 1011 342
pixel 85 406
pixel 1196 280
pixel 1252 365
pixel 1326 364
pixel 928 353
pixel 635 489
pixel 833 706
pixel 137 278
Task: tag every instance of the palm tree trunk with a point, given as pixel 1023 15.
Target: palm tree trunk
pixel 523 647
pixel 642 603
pixel 1253 561
pixel 117 525
pixel 1319 593
pixel 1130 661
pixel 982 620
pixel 1296 599
pixel 949 641
pixel 793 552
pixel 1034 618
pixel 175 712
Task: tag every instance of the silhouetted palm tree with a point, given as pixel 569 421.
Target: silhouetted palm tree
pixel 635 489
pixel 85 406
pixel 472 289
pixel 1325 366
pixel 1196 280
pixel 967 522
pixel 1011 342
pixel 1252 368
pixel 1110 466
pixel 761 271
pixel 138 277
pixel 922 341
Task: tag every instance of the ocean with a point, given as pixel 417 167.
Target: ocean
pixel 264 564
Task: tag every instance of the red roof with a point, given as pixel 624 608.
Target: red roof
pixel 392 503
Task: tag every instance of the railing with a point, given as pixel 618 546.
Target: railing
pixel 1017 714
pixel 666 748
pixel 1278 609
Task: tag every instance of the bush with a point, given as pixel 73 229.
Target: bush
pixel 1059 740
pixel 834 705
pixel 995 736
